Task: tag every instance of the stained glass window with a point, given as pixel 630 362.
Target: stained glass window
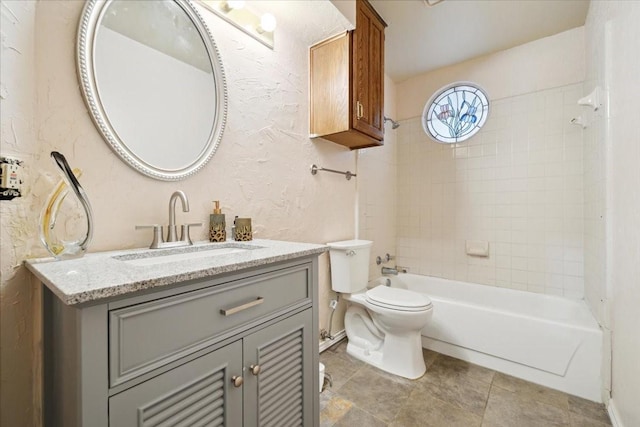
pixel 455 113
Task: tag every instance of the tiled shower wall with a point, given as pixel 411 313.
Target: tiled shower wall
pixel 517 184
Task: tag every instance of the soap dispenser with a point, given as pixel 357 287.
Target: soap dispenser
pixel 217 224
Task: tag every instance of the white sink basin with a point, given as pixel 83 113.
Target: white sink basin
pixel 163 256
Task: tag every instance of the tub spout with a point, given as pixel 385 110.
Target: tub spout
pixel 388 270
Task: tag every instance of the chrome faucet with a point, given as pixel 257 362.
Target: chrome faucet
pixel 389 270
pixel 172 232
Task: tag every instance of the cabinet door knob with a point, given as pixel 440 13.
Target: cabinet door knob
pixel 236 381
pixel 359 110
pixel 255 369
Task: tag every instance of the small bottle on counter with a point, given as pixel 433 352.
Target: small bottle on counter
pixel 217 224
pixel 243 232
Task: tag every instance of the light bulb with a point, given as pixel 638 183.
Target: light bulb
pixel 235 4
pixel 229 5
pixel 268 22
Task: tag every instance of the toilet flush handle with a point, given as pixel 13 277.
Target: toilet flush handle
pixel 351 252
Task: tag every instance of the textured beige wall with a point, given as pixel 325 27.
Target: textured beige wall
pixel 261 169
pixel 17 108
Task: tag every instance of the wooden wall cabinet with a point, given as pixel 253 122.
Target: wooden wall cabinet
pixel 347 83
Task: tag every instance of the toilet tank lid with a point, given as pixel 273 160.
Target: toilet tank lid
pixel 350 244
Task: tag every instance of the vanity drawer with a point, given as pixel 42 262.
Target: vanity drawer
pixel 150 335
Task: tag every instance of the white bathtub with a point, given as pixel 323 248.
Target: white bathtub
pixel 544 339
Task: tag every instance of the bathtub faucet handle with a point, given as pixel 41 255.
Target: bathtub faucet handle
pixel 387 258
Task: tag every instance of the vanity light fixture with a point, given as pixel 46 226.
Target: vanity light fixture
pixel 258 25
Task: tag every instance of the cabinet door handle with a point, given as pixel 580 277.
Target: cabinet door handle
pixel 255 369
pixel 234 310
pixel 359 110
pixel 236 381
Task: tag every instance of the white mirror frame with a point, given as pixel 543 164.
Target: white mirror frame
pixel 85 53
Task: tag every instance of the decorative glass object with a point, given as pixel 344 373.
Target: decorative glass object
pixel 455 113
pixel 66 222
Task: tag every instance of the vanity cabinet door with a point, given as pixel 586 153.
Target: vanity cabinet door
pixel 198 393
pixel 282 392
pixel 368 72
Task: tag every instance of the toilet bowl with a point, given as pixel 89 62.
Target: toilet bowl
pixel 383 324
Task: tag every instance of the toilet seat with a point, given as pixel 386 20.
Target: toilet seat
pixel 397 299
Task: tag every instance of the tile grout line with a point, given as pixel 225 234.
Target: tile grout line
pixel 406 402
pixel 486 403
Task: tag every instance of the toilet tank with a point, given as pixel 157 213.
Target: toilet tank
pixel 349 265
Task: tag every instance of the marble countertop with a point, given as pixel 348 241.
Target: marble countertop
pixel 108 274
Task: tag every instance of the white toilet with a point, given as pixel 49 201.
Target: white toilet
pixel 383 324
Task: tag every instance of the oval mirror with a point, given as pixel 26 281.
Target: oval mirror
pixel 153 80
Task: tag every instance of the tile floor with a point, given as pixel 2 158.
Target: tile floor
pixel 451 393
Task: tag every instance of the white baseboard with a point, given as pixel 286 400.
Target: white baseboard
pixel 337 337
pixel 614 415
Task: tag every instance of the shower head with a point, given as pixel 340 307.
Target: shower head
pixel 394 124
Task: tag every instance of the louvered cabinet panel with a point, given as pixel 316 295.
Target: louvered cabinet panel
pixel 283 390
pixel 198 393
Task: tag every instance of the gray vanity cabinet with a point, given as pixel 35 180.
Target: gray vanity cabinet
pixel 238 349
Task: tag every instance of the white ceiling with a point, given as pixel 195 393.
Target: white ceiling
pixel 421 38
